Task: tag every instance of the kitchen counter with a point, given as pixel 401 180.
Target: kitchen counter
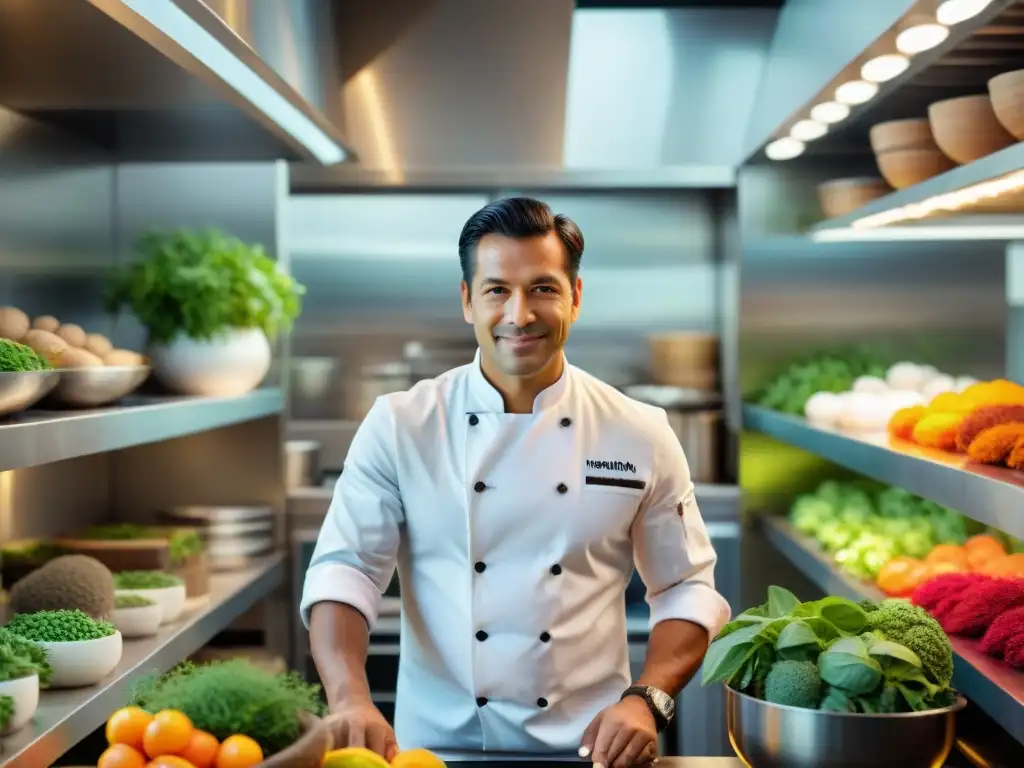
pixel 500 760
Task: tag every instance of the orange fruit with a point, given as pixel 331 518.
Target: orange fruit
pixel 169 761
pixel 121 756
pixel 417 758
pixel 202 749
pixel 168 734
pixel 948 553
pixel 1007 567
pixel 943 566
pixel 900 576
pixel 239 752
pixel 127 725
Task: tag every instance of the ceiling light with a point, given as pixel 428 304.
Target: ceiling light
pixel 784 149
pixel 829 112
pixel 919 232
pixel 807 130
pixel 954 11
pixel 881 69
pixel 856 92
pixel 921 38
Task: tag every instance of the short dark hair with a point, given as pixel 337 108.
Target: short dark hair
pixel 519 217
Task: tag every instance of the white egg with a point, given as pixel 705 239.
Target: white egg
pixel 963 382
pixel 824 407
pixel 904 398
pixel 871 384
pixel 937 385
pixel 905 376
pixel 864 412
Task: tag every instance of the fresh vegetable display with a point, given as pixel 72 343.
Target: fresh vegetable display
pixel 59 627
pixel 146 580
pixel 834 371
pixel 19 358
pixel 20 657
pixel 45 342
pixel 233 698
pixel 183 543
pixel 835 655
pixel 132 601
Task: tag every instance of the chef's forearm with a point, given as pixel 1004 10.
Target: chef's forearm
pixel 338 638
pixel 675 651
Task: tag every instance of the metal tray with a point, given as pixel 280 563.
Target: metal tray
pixel 92 387
pixel 23 389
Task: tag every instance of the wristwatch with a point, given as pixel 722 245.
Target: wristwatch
pixel 660 703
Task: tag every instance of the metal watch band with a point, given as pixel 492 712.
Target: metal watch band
pixel 661 718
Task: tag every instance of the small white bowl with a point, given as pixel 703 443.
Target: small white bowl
pixel 170 599
pixel 139 620
pixel 82 662
pixel 25 692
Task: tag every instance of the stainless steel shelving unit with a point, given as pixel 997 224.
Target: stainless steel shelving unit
pixel 40 437
pixel 990 495
pixel 993 686
pixel 65 717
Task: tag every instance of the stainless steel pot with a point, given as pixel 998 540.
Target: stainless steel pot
pixel 301 463
pixel 768 735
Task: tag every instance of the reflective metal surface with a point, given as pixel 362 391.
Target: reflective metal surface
pixel 768 735
pixel 91 387
pixel 24 389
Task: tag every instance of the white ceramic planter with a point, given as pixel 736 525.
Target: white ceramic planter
pixel 171 600
pixel 233 363
pixel 83 662
pixel 25 692
pixel 138 621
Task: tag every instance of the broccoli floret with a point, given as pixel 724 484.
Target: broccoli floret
pixel 912 626
pixel 793 683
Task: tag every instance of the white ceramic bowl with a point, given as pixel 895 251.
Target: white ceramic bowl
pixel 25 692
pixel 170 599
pixel 138 621
pixel 83 662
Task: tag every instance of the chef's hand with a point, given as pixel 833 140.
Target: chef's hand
pixel 622 735
pixel 359 723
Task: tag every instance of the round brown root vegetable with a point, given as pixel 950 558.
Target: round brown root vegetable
pixel 47 344
pixel 46 323
pixel 14 323
pixel 73 357
pixel 98 344
pixel 72 334
pixel 123 357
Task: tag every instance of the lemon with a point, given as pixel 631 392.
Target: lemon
pixel 354 757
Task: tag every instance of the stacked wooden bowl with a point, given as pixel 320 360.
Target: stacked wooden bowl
pixel 967 129
pixel 688 360
pixel 1007 94
pixel 906 152
pixel 839 197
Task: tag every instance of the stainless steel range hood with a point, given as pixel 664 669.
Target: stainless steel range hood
pixel 178 79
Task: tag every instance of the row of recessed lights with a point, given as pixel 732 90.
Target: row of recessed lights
pixel 910 42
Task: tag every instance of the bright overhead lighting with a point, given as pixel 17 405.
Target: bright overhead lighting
pixel 945 203
pixel 920 233
pixel 829 112
pixel 920 38
pixel 784 149
pixel 954 11
pixel 881 69
pixel 207 50
pixel 807 130
pixel 856 92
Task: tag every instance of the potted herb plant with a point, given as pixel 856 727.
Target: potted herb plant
pixel 23 669
pixel 165 589
pixel 80 650
pixel 211 304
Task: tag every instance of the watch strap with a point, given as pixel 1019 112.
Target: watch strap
pixel 661 719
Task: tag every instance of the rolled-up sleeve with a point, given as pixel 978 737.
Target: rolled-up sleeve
pixel 671 546
pixel 355 555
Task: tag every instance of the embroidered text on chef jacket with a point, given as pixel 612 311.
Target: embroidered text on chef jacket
pixel 514 536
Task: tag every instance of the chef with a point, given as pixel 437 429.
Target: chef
pixel 514 495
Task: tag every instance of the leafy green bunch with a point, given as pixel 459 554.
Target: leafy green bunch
pixel 824 371
pixel 234 697
pixel 835 655
pixel 132 601
pixel 6 710
pixel 18 358
pixel 146 580
pixel 59 626
pixel 183 543
pixel 20 658
pixel 202 283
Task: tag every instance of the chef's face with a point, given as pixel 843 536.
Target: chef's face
pixel 522 301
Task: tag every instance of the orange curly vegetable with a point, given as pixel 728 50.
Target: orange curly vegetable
pixel 1016 458
pixel 938 430
pixel 902 423
pixel 996 392
pixel 983 418
pixel 993 445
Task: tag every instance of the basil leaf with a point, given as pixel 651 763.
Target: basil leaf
pixel 781 602
pixel 852 645
pixel 854 674
pixel 739 622
pixel 798 642
pixel 837 700
pixel 845 614
pixel 727 654
pixel 886 649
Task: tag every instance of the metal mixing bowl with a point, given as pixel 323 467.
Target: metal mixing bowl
pixel 24 389
pixel 768 735
pixel 91 387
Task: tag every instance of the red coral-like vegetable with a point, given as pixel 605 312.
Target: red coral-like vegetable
pixel 1014 652
pixel 1003 629
pixel 935 590
pixel 981 605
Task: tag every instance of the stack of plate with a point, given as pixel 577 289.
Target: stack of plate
pixel 234 536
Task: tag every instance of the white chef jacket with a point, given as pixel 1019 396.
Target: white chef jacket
pixel 514 536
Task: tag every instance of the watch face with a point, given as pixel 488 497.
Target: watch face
pixel 663 702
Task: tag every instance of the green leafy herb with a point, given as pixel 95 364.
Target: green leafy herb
pixel 132 601
pixel 59 627
pixel 6 710
pixel 183 543
pixel 229 697
pixel 20 658
pixel 18 358
pixel 146 580
pixel 202 283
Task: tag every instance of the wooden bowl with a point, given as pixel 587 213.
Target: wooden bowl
pixel 839 197
pixel 915 133
pixel 1007 93
pixel 315 741
pixel 966 129
pixel 906 167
